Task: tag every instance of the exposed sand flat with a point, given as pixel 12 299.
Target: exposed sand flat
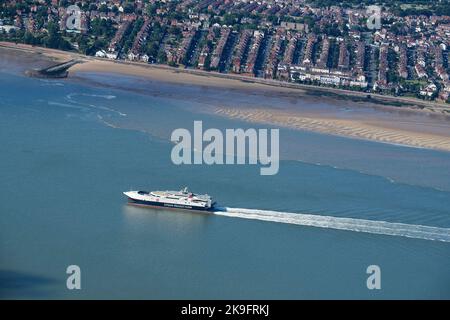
pixel 349 128
pixel 199 77
pixel 428 132
pixel 171 75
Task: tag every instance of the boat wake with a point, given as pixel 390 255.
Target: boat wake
pixel 349 224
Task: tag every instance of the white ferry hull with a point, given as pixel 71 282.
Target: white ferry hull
pixel 166 205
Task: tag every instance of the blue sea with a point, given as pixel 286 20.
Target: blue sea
pixel 69 148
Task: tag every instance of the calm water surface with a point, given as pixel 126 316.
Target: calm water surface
pixel 69 149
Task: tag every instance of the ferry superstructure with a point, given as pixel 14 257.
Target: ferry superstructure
pixel 183 199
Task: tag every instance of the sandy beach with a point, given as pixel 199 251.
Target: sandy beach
pixel 428 127
pixel 349 128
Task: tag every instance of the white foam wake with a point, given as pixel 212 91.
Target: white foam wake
pixel 349 224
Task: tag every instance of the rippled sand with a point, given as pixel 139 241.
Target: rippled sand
pixel 349 128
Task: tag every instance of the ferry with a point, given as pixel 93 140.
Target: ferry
pixel 183 199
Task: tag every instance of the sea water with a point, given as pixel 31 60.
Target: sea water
pixel 69 149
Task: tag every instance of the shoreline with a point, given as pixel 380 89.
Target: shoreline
pixel 377 127
pixel 131 68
